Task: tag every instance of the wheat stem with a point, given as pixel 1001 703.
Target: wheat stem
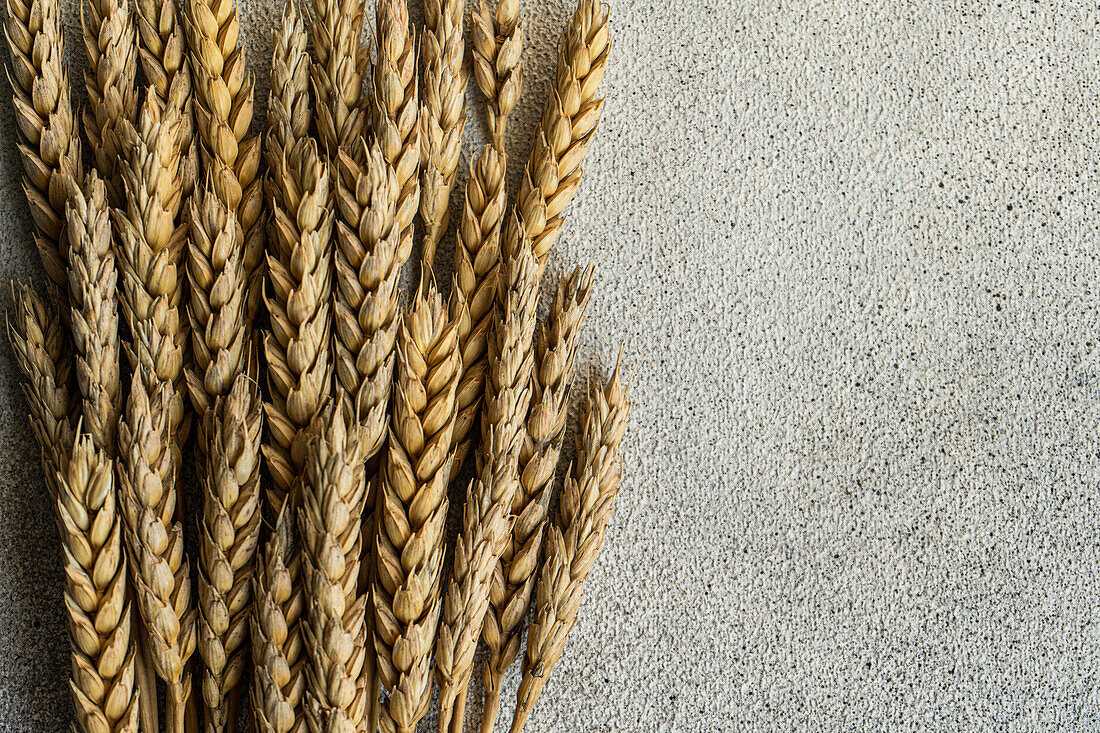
pixel 575 537
pixel 514 578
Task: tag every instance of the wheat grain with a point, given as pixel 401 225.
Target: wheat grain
pixel 574 539
pixel 340 66
pixel 489 499
pixel 223 117
pixel 333 496
pixel 48 143
pixel 110 43
pixel 163 52
pixel 514 578
pixel 220 337
pixel 442 117
pixel 298 347
pixel 94 310
pixel 411 511
pixel 497 38
pixel 366 294
pixel 565 129
pixel 148 468
pixel 477 260
pixel 97 597
pixel 230 534
pixel 38 340
pixel 277 659
pixel 150 246
pixel 395 112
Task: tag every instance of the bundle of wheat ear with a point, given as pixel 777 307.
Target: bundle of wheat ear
pixel 230 298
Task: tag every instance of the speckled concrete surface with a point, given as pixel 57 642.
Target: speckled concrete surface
pixel 850 249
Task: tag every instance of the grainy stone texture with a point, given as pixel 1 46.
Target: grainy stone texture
pixel 851 250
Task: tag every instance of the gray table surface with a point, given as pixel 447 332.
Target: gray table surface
pixel 849 249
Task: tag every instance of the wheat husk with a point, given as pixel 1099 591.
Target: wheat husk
pixel 341 63
pixel 485 526
pixel 566 128
pixel 94 310
pixel 496 34
pixel 515 574
pixel 48 143
pixel 223 109
pixel 334 493
pixel 396 110
pixel 278 659
pixel 159 569
pixel 220 336
pixel 442 116
pixel 110 43
pixel 476 271
pixel 574 539
pixel 97 595
pixel 229 536
pixel 150 248
pixel 42 354
pixel 412 509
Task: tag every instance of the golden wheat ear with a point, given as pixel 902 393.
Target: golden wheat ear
pixel 497 37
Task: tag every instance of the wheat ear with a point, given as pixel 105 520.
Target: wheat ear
pixel 97 595
pixel 485 525
pixel 223 118
pixel 229 536
pixel 514 578
pixel 366 294
pixel 163 52
pixel 150 247
pixel 334 494
pixel 442 116
pixel 289 111
pixel 220 336
pixel 477 267
pixel 566 127
pixel 411 511
pixel 148 468
pixel 277 659
pixel 497 38
pixel 339 68
pixel 94 310
pixel 38 340
pixel 575 537
pixel 395 112
pixel 110 43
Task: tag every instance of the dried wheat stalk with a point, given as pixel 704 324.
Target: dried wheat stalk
pixel 220 336
pixel 94 310
pixel 163 52
pixel 395 112
pixel 278 661
pixel 334 493
pixel 485 526
pixel 412 509
pixel 48 142
pixel 159 569
pixel 38 340
pixel 514 577
pixel 97 594
pixel 497 37
pixel 477 260
pixel 229 534
pixel 150 248
pixel 575 537
pixel 341 63
pixel 566 128
pixel 110 43
pixel 366 295
pixel 442 116
pixel 223 117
